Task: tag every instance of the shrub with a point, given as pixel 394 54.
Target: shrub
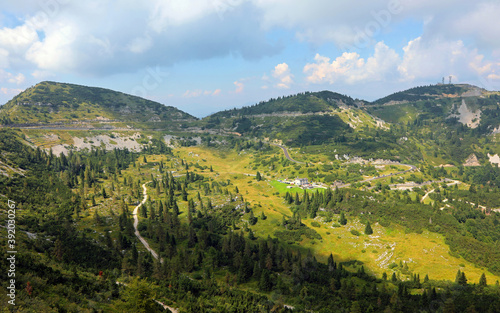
pixel 355 232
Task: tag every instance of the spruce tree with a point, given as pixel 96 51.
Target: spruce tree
pixel 482 281
pixel 342 220
pixel 368 229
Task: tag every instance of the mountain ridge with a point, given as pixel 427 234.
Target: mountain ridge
pixel 53 102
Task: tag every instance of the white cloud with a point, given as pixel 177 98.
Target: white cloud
pixel 93 38
pixel 4 58
pixel 41 75
pixel 14 43
pixel 165 14
pixel 17 79
pixel 239 86
pixel 432 60
pixel 351 68
pixel 10 91
pixel 55 51
pixel 216 92
pixel 17 39
pixel 282 73
pixel 11 78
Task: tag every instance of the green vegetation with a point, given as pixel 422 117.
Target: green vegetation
pixel 51 102
pixel 230 241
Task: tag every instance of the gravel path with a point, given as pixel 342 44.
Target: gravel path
pixel 136 223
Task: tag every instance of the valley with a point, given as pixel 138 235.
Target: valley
pixel 199 213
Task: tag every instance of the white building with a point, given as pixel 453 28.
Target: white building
pixel 301 181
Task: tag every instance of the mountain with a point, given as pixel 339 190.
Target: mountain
pixel 447 122
pixel 469 105
pixel 307 102
pixel 304 118
pixel 215 226
pixel 61 103
pixel 431 92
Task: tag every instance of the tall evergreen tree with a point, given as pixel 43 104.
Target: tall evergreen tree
pixel 482 281
pixel 368 229
pixel 342 219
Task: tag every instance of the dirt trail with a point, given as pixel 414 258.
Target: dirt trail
pixel 136 223
pixel 453 182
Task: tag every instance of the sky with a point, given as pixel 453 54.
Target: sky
pixel 203 56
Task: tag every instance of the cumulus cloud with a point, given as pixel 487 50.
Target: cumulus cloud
pixel 90 37
pixel 351 68
pixel 282 73
pixel 419 60
pixel 343 23
pixel 431 60
pixel 11 78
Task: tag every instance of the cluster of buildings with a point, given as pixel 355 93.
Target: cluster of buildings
pixel 298 182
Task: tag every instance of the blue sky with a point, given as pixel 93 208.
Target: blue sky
pixel 203 56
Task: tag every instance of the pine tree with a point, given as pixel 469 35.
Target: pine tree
pixel 190 216
pixel 482 281
pixel 457 277
pixel 252 220
pixel 394 278
pixel 463 280
pixel 342 220
pixel 368 229
pixel 265 283
pixel 258 177
pixel 251 236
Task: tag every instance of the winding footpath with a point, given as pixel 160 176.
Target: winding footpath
pixel 145 243
pixel 136 223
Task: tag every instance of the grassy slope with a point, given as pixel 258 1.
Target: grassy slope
pixel 428 252
pixel 74 103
